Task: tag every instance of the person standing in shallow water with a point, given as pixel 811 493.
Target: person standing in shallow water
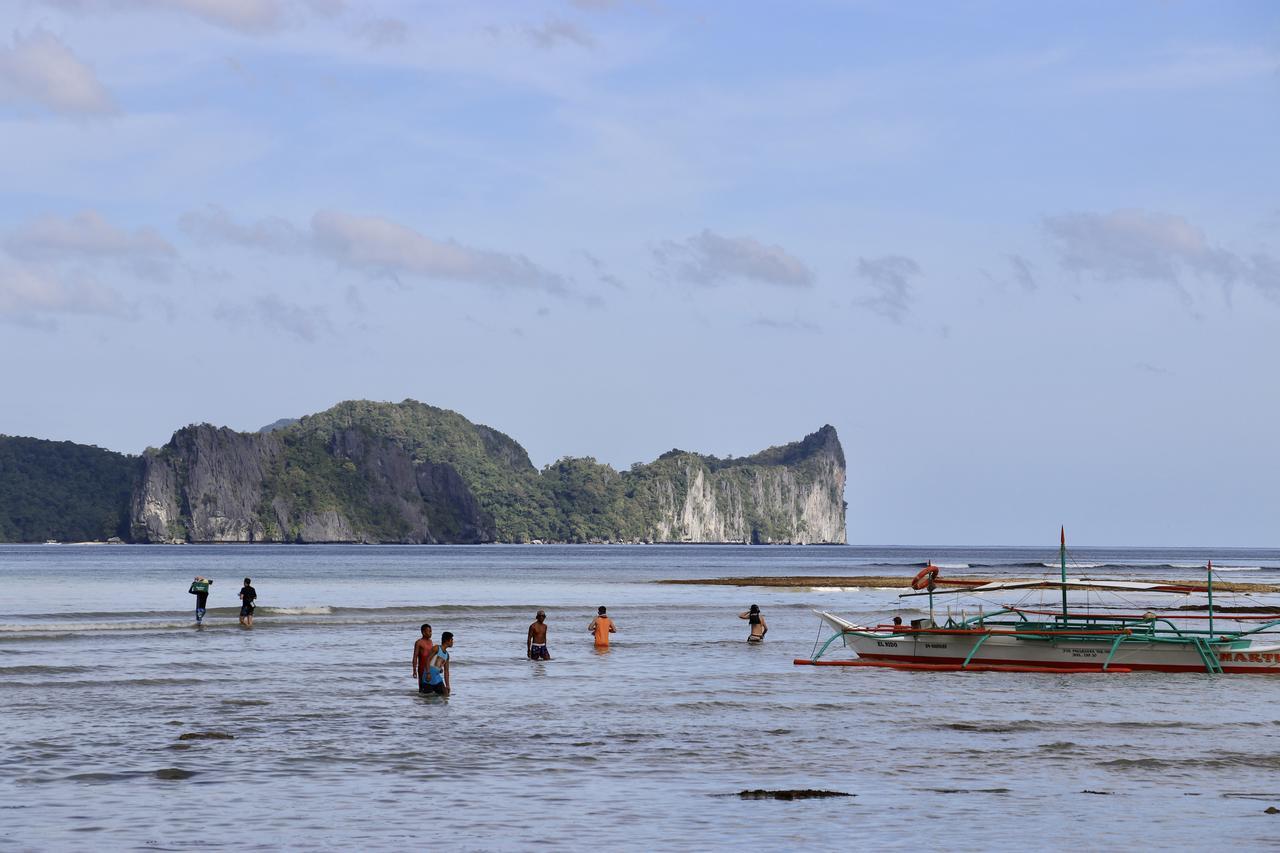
pixel 758 626
pixel 247 596
pixel 535 645
pixel 200 589
pixel 438 667
pixel 602 626
pixel 423 650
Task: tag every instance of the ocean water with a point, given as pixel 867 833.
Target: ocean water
pixel 644 746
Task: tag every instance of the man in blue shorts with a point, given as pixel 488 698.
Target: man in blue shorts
pixel 438 667
pixel 535 645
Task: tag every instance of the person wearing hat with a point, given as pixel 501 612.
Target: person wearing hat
pixel 758 626
pixel 200 589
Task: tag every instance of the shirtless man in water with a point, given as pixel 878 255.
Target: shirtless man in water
pixel 535 645
pixel 422 652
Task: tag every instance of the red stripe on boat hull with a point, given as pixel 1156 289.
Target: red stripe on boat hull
pixel 949 664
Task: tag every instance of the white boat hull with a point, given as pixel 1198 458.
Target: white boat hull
pixel 947 648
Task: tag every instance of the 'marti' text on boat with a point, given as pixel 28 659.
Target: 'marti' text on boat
pixel 1067 637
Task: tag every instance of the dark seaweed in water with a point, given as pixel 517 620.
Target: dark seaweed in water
pixel 790 794
pixel 173 773
pixel 206 736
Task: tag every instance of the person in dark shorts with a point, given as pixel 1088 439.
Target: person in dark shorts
pixel 200 589
pixel 423 650
pixel 438 667
pixel 535 645
pixel 758 626
pixel 247 596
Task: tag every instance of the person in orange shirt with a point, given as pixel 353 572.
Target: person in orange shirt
pixel 602 626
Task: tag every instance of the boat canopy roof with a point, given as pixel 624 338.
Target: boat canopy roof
pixel 1071 583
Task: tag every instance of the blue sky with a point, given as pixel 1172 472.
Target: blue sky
pixel 1025 257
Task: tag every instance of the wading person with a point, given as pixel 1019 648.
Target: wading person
pixel 247 596
pixel 423 649
pixel 200 589
pixel 758 626
pixel 602 626
pixel 438 667
pixel 535 644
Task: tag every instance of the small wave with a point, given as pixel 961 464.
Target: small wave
pixel 951 565
pixel 1237 568
pixel 1081 565
pixel 315 610
pixel 1139 763
pixel 996 728
pixel 79 627
pixel 834 588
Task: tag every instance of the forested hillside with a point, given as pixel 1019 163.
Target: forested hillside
pixel 62 490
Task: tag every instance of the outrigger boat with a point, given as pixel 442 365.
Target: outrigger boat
pixel 1074 639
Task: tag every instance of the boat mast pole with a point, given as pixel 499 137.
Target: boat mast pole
pixel 1210 570
pixel 1062 557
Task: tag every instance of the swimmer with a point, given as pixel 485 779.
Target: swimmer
pixel 535 645
pixel 758 626
pixel 602 626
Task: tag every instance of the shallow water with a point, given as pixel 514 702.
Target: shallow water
pixel 640 747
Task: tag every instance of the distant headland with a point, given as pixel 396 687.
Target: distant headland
pixel 410 473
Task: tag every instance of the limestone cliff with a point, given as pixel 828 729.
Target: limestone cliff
pixel 411 473
pixel 217 485
pixel 756 501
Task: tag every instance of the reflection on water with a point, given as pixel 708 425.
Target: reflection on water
pixel 308 729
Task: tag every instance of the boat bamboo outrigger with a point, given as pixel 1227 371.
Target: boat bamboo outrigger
pixel 1067 640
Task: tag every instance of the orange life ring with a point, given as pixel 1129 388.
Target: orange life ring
pixel 925 577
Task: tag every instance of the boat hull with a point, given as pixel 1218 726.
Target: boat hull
pixel 947 650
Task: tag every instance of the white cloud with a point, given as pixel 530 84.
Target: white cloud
pixel 376 245
pixel 380 245
pixel 1159 247
pixel 251 17
pixel 555 31
pixel 40 69
pixel 85 235
pixel 29 292
pixel 708 259
pixel 89 238
pixel 383 32
pixel 889 279
pixel 214 225
pixel 307 323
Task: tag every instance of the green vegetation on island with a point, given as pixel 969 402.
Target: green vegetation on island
pixel 409 472
pixel 62 490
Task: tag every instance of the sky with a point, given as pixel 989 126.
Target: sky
pixel 1025 257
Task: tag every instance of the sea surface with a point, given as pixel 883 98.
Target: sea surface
pixel 322 741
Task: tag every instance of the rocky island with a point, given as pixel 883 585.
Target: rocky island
pixel 413 473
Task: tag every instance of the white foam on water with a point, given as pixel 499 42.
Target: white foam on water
pixel 1238 568
pixel 315 610
pixel 951 565
pixel 79 627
